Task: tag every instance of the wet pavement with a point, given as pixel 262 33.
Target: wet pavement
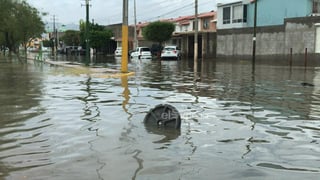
pixel 60 123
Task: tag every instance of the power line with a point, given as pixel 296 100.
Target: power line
pixel 166 10
pixel 163 15
pixel 185 9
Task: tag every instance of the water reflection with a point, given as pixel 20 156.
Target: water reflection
pixel 126 93
pixel 235 124
pixel 125 135
pixel 91 110
pixel 315 105
pixel 23 144
pixel 167 135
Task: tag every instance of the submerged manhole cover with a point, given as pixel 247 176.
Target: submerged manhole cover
pixel 163 116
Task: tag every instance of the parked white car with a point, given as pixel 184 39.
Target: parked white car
pixel 141 53
pixel 171 52
pixel 118 52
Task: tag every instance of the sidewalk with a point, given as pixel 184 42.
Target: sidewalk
pixel 94 71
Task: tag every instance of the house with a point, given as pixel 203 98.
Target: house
pixel 282 26
pixel 185 29
pixel 117 37
pixel 139 33
pixel 186 24
pixel 183 36
pixel 240 14
pixel 182 24
pixel 232 15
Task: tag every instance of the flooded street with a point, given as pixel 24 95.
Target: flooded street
pixel 58 123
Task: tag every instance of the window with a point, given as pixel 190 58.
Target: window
pixel 145 49
pixel 206 23
pixel 237 14
pixel 227 15
pixel 316 6
pixel 245 13
pixel 194 24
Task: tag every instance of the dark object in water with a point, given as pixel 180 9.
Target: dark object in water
pixel 163 116
pixel 307 84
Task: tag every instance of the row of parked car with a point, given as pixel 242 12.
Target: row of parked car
pixel 168 52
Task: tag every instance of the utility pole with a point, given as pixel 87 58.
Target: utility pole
pixel 125 34
pixel 54 34
pixel 87 60
pixel 254 39
pixel 135 45
pixel 196 37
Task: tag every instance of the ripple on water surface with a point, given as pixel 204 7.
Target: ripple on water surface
pixel 233 126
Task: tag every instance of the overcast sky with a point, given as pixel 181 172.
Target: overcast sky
pixel 106 12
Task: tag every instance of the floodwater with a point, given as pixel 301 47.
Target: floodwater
pixel 58 123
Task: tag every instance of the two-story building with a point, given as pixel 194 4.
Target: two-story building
pixel 239 14
pixel 183 36
pixel 185 30
pixel 232 15
pixel 281 26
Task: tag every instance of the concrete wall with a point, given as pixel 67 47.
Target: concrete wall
pixel 238 42
pixel 296 33
pixel 300 33
pixel 208 45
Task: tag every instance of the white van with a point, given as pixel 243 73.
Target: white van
pixel 141 53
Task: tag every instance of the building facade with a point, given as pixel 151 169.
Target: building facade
pixel 282 26
pixel 183 36
pixel 240 14
pixel 185 30
pixel 232 15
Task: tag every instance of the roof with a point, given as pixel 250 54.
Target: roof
pixel 184 22
pixel 230 3
pixel 208 14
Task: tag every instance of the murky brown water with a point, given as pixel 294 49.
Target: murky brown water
pixel 59 124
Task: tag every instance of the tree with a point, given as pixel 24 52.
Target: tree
pixel 71 38
pixel 5 8
pixel 99 36
pixel 158 31
pixel 47 43
pixel 30 23
pixel 19 23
